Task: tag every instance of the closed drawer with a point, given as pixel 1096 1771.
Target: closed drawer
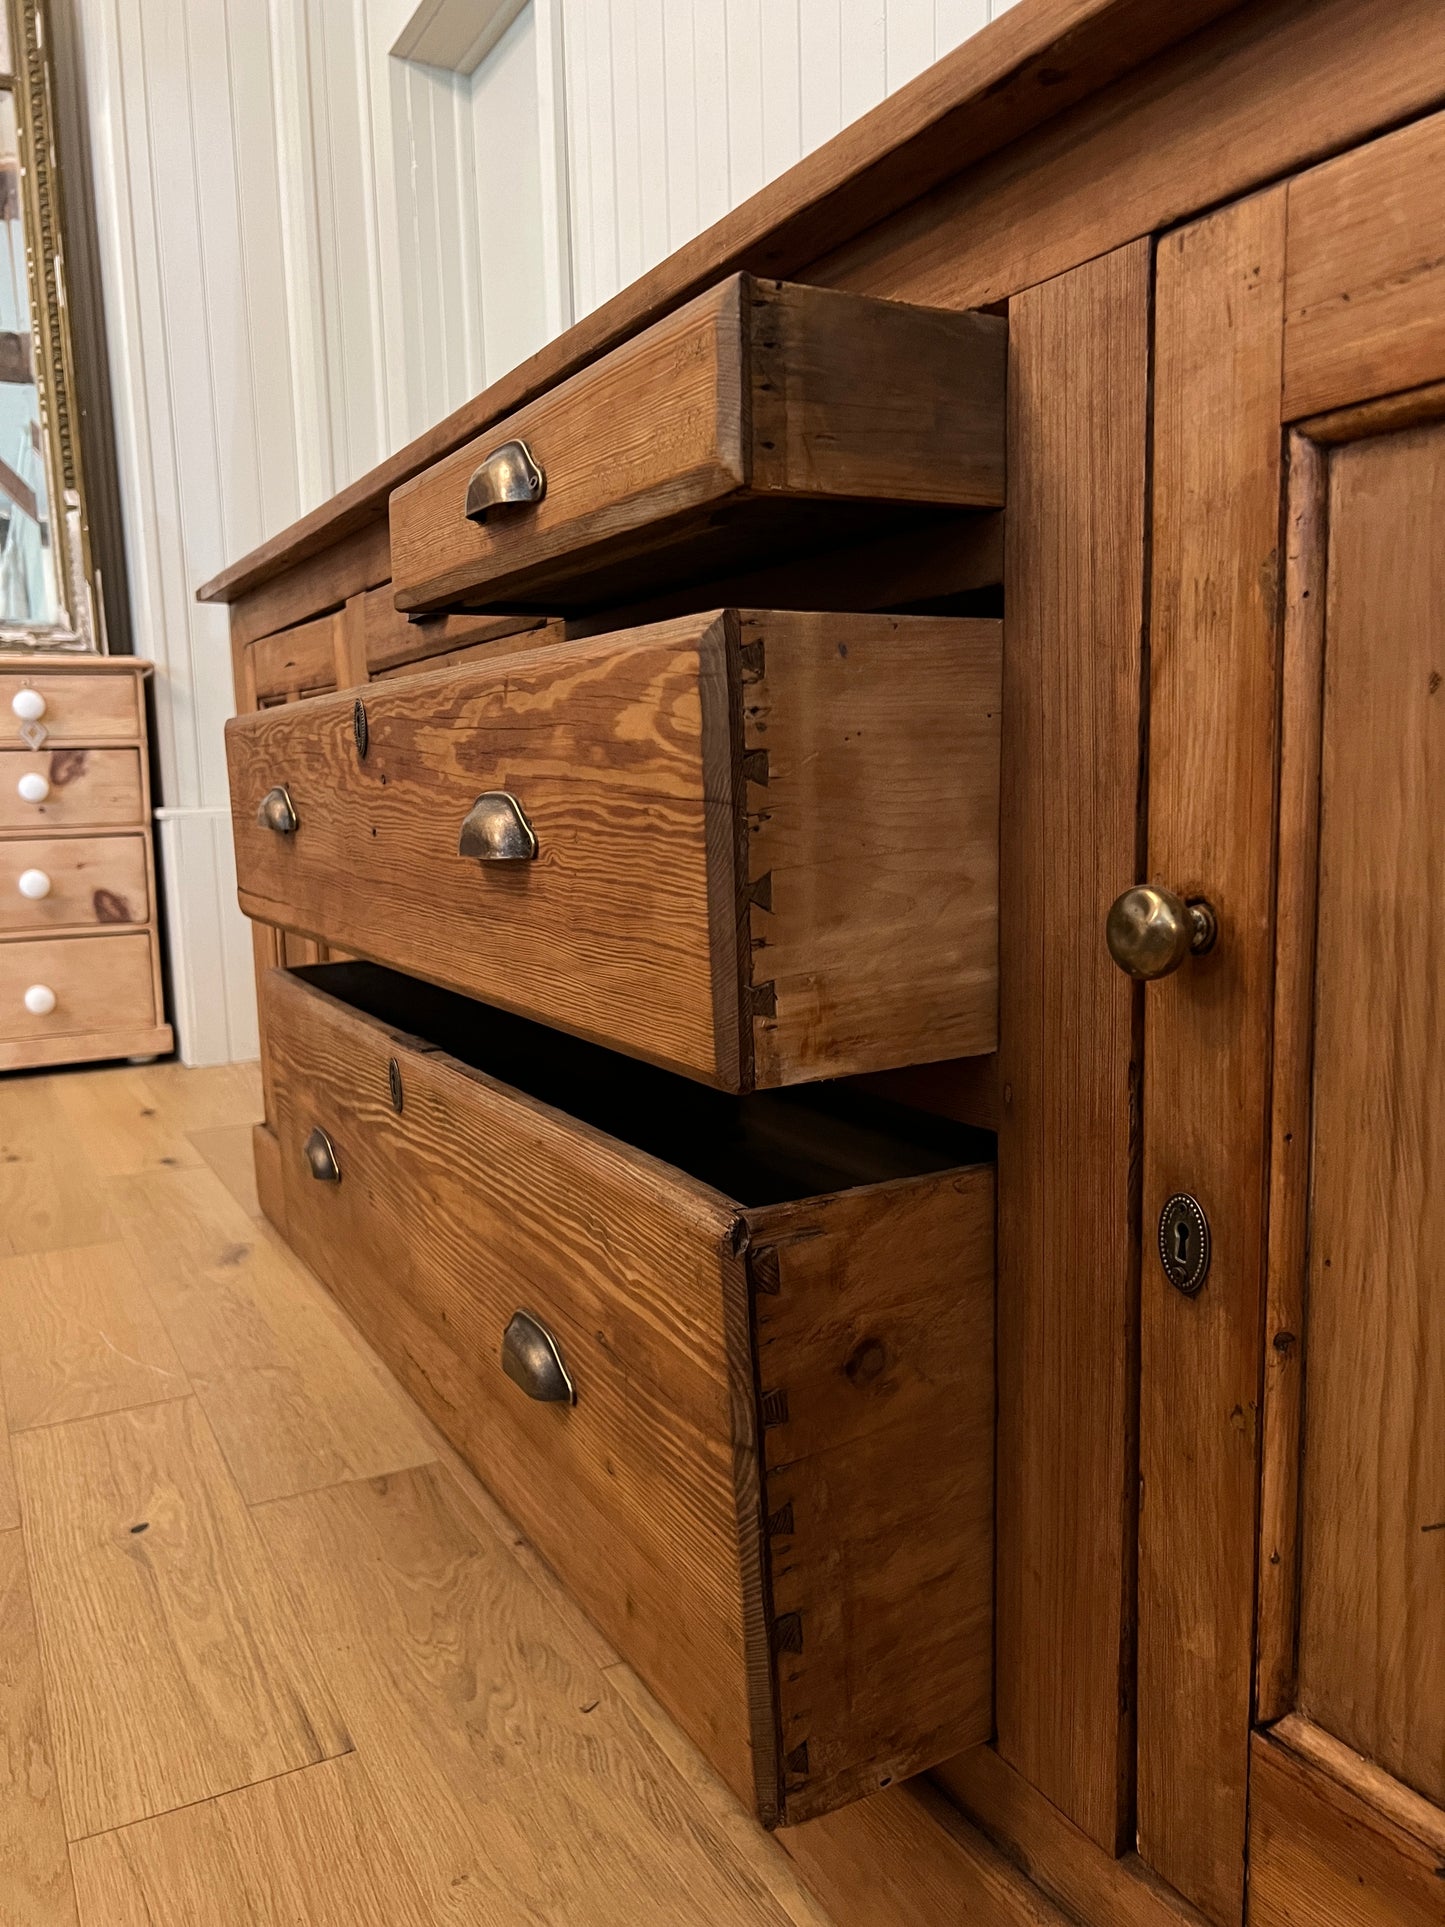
pixel 103 983
pixel 52 883
pixel 759 416
pixel 763 847
pixel 74 707
pixel 771 1486
pixel 70 789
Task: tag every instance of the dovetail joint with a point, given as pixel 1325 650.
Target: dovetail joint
pixel 780 1523
pixel 788 1633
pixel 763 1000
pixel 766 1270
pixel 796 1762
pixel 774 1407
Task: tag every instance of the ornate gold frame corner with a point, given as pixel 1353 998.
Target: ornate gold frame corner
pixel 76 627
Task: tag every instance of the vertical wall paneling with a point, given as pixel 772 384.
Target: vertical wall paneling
pixel 309 251
pixel 677 110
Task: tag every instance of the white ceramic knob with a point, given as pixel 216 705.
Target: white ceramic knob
pixel 28 704
pixel 33 787
pixel 40 1000
pixel 34 884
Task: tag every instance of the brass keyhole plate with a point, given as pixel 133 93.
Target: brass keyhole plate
pixel 1184 1243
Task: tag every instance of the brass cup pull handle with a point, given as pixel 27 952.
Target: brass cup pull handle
pixel 1151 931
pixel 320 1155
pixel 278 812
pixel 530 1358
pixel 496 830
pixel 510 477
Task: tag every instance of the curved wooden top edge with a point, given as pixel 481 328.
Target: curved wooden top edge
pixel 1032 63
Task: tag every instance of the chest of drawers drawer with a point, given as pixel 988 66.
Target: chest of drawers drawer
pixel 64 789
pixel 49 883
pixel 728 1362
pixel 100 984
pixel 70 707
pixel 757 848
pixel 759 416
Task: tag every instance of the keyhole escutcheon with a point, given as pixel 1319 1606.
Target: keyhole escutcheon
pixel 1184 1243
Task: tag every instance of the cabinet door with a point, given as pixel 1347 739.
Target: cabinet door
pixel 1292 1411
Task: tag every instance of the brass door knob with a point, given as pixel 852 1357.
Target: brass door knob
pixel 1151 931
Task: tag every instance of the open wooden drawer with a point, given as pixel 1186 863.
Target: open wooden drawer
pixel 759 417
pixel 728 1362
pixel 758 848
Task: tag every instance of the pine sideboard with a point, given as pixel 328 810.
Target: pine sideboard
pixel 863 832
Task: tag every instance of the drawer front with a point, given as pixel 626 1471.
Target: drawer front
pixel 77 708
pixel 825 787
pixel 70 789
pixel 52 883
pixel 848 1644
pixel 758 419
pixel 97 983
pixel 618 753
pixel 650 434
pixel 470 1204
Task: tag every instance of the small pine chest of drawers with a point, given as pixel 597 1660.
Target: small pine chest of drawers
pixel 80 975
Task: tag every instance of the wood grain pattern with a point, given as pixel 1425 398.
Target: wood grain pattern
pixel 79 708
pixel 316 1847
pixel 1324 1855
pixel 907 1859
pixel 869 755
pixel 89 789
pixel 1372 1637
pixel 295 662
pixel 473 1707
pixel 872 847
pixel 35 1889
pixel 357 558
pixel 1027 68
pixel 1273 87
pixel 95 881
pixel 1365 297
pixel 391 640
pixel 1078 402
pixel 619 752
pixel 737 428
pixel 866 1654
pixel 174 1667
pixel 879 1461
pixel 1212 747
pixel 653 432
pixel 1297 868
pixel 102 984
pixel 118 1125
pixel 291 1400
pixel 50 1196
pixel 79 1336
pixel 1057 1856
pixel 631 1492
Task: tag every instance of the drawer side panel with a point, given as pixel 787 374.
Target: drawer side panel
pixel 874 1319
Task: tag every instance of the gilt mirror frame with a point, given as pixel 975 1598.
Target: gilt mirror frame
pixel 72 624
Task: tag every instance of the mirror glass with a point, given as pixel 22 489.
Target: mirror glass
pixel 29 592
pixel 46 597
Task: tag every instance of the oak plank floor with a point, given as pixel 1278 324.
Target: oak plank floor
pixel 315 1847
pixel 79 1336
pixel 291 1399
pixel 50 1196
pixel 478 1714
pixel 331 1682
pixel 34 1873
pixel 174 1665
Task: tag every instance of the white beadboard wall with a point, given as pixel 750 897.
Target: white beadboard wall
pixel 677 110
pixel 313 249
